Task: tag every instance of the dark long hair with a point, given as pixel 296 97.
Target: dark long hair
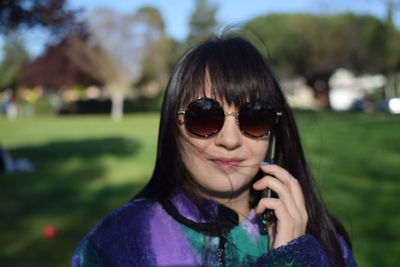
pixel 237 72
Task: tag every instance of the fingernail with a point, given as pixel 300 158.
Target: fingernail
pixel 265 163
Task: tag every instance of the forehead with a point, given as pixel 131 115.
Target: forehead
pixel 226 93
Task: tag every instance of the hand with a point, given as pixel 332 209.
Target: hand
pixel 290 209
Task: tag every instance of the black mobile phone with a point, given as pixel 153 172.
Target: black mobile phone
pixel 268 216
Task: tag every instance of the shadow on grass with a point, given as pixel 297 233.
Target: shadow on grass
pixel 66 190
pixel 55 151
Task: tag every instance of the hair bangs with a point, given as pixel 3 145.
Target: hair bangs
pixel 227 69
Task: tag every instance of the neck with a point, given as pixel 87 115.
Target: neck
pixel 239 203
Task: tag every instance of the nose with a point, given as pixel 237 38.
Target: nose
pixel 230 136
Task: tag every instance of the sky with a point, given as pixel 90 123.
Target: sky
pixel 176 13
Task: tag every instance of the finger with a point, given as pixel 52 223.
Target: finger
pixel 293 184
pixel 286 196
pixel 277 206
pixel 287 223
pixel 278 172
pixel 281 189
pixel 272 231
pixel 287 226
pixel 298 197
pixel 262 183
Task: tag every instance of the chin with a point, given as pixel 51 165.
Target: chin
pixel 223 191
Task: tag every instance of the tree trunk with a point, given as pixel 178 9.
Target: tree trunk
pixel 117 105
pixel 320 85
pixel 390 87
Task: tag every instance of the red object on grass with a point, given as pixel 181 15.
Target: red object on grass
pixel 50 231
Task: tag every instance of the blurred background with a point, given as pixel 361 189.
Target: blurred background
pixel 81 85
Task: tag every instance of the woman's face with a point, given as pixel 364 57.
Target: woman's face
pixel 225 164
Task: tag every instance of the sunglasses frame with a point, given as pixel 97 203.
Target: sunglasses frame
pixel 228 113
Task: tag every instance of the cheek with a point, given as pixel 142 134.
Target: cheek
pixel 190 143
pixel 258 149
pixel 193 149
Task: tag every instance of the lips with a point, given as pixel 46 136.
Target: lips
pixel 227 163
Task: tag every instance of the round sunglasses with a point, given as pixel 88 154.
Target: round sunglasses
pixel 204 117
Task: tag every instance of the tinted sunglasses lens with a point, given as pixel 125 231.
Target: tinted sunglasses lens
pixel 256 120
pixel 204 117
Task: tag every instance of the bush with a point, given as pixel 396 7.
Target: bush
pixel 94 106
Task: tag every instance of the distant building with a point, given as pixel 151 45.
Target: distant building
pixel 346 89
pixel 298 94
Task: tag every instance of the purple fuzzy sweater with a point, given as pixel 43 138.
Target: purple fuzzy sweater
pixel 176 233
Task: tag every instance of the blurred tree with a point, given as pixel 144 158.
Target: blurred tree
pixel 116 49
pixel 19 15
pixel 392 49
pixel 50 14
pixel 55 70
pixel 14 57
pixel 315 46
pixel 155 63
pixel 202 21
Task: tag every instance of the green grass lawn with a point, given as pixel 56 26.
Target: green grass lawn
pixel 88 165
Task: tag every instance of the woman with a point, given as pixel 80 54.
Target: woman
pixel 223 118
